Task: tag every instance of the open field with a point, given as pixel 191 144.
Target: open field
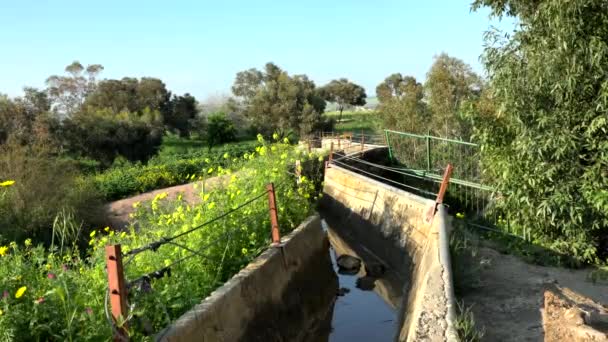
pixel 360 122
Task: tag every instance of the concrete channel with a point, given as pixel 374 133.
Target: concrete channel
pixel 401 292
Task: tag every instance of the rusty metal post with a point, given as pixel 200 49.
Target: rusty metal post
pixel 274 218
pixel 118 291
pixel 442 190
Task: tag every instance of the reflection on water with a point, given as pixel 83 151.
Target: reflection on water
pixel 361 313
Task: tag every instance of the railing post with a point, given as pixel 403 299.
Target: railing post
pixel 442 190
pixel 118 292
pixel 362 141
pixel 388 143
pixel 428 153
pixel 274 218
pixel 298 171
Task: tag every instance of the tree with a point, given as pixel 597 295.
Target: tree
pixel 102 134
pixel 344 93
pixel 219 129
pixel 69 92
pixel 401 104
pixel 545 146
pixel 449 83
pixel 130 94
pixel 183 110
pixel 26 120
pixel 275 101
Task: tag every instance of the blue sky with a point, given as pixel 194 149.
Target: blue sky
pixel 199 46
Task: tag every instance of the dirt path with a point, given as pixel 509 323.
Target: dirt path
pixel 117 212
pixel 506 294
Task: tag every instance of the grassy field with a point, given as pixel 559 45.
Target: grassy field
pixel 367 122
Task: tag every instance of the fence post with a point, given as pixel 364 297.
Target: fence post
pixel 331 152
pixel 298 171
pixel 428 153
pixel 118 291
pixel 339 138
pixel 274 218
pixel 388 143
pixel 309 148
pixel 362 141
pixel 442 190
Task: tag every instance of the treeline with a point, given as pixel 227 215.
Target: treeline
pixel 79 124
pixel 435 107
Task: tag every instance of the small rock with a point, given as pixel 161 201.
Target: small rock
pixel 366 283
pixel 348 264
pixel 375 270
pixel 342 291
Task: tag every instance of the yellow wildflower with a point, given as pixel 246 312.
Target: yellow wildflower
pixel 1 312
pixel 20 292
pixel 226 155
pixel 107 229
pixel 459 215
pixel 210 171
pixel 286 141
pixel 7 183
pixel 28 242
pixel 92 234
pixel 123 234
pixel 3 250
pixel 211 205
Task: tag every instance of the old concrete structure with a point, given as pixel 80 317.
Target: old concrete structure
pixel 391 224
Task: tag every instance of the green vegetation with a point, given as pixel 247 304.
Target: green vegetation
pixel 168 169
pixel 432 107
pixel 465 325
pixel 544 145
pixel 59 296
pixel 367 122
pixel 343 93
pixel 274 101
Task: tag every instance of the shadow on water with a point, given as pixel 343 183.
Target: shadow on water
pixel 365 308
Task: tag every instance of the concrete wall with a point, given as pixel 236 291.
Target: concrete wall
pixel 391 222
pixel 271 298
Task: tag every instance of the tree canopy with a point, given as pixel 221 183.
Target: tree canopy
pixel 275 101
pixel 545 146
pixel 344 93
pixel 449 83
pixel 401 104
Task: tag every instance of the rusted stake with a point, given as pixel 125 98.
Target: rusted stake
pixel 298 171
pixel 118 292
pixel 442 190
pixel 274 218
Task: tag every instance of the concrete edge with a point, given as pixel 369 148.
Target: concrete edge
pixel 192 316
pixel 444 230
pixel 409 195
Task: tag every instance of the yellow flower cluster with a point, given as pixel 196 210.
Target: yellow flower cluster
pixel 7 183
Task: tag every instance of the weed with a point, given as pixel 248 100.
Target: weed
pixel 465 325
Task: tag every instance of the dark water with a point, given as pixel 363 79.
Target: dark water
pixel 359 315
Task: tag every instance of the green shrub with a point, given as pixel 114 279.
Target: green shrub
pixel 167 169
pixel 44 186
pixel 219 129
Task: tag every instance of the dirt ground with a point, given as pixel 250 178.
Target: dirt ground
pixel 507 295
pixel 117 212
